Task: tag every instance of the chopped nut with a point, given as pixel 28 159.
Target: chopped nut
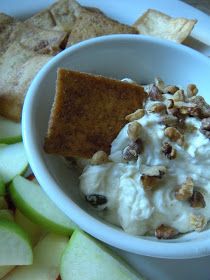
pixel 179 95
pixel 138 114
pixel 205 124
pixel 174 112
pixel 195 112
pixel 205 112
pixel 99 157
pixel 96 200
pixel 159 83
pixel 191 90
pixel 170 103
pixel 165 232
pixel 154 171
pixel 201 103
pixel 185 191
pixel 168 151
pixel 205 127
pixel 198 100
pixel 171 89
pixel 158 108
pixel 198 222
pixel 134 130
pixel 149 183
pixel 151 176
pixel 197 200
pixel 132 151
pixel 147 88
pixel 174 135
pixel 155 94
pixel 169 120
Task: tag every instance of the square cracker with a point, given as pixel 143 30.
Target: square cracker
pixel 88 113
pixel 18 66
pixel 43 19
pixel 158 24
pixel 64 13
pixel 93 23
pixel 39 40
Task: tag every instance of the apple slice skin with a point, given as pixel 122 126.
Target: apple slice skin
pixel 13 161
pixel 35 232
pixel 86 258
pixel 10 132
pixel 24 205
pixel 47 255
pixel 10 231
pixel 11 140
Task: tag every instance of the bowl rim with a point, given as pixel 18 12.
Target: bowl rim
pixel 98 229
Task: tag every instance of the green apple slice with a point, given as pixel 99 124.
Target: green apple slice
pixel 86 258
pixel 10 132
pixel 3 203
pixel 35 232
pixel 6 214
pixel 15 247
pixel 5 269
pixel 47 255
pixel 33 202
pixel 2 187
pixel 13 161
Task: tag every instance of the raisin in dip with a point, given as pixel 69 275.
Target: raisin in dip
pixel 156 179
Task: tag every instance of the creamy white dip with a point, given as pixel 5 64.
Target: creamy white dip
pixel 129 205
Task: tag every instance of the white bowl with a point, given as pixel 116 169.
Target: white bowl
pixel 140 58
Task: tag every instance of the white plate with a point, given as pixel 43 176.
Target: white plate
pixel 127 11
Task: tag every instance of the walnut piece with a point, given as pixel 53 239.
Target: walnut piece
pixel 99 157
pixel 191 90
pixel 165 232
pixel 158 108
pixel 195 112
pixel 151 176
pixel 174 135
pixel 134 131
pixel 155 94
pixel 168 151
pixel 132 151
pixel 159 83
pixel 201 103
pixel 198 222
pixel 170 89
pixel 185 191
pixel 138 114
pixel 170 103
pixel 179 95
pixel 169 120
pixel 197 200
pixel 205 127
pixel 198 100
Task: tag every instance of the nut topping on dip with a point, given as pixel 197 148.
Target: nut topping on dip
pixel 157 179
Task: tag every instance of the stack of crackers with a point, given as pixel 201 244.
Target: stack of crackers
pixel 27 45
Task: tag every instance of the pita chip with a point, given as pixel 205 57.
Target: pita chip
pixel 39 40
pixel 64 13
pixel 158 24
pixel 18 66
pixel 43 20
pixel 88 113
pixel 93 23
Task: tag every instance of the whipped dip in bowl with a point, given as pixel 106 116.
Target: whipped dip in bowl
pixel 151 194
pixel 153 181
